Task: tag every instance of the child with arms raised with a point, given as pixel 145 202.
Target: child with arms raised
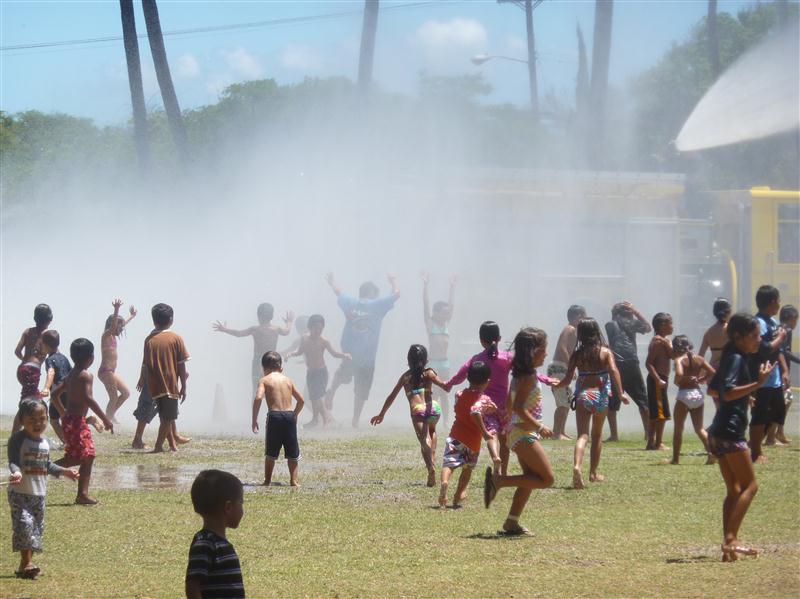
pixel 659 362
pixel 29 464
pixel 436 322
pixel 417 382
pixel 281 427
pixel 690 371
pixel 116 388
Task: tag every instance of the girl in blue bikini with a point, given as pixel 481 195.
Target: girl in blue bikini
pixel 436 322
pixel 597 371
pixel 418 382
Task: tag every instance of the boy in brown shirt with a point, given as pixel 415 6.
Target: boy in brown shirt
pixel 658 364
pixel 164 372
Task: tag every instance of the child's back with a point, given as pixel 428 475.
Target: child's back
pixel 278 392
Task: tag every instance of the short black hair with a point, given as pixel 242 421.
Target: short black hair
pixel 29 406
pixel 212 488
pixel 265 312
pixel 765 295
pixel 162 315
pixel 81 350
pixel 315 319
pixel 271 360
pixel 575 312
pixel 788 312
pixel 368 289
pixel 660 319
pixel 51 338
pixel 42 315
pixel 478 373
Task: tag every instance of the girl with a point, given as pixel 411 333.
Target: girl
pixel 716 336
pixel 690 371
pixel 500 364
pixel 597 370
pixel 29 463
pixel 425 411
pixel 530 349
pixel 726 435
pixel 117 390
pixel 436 322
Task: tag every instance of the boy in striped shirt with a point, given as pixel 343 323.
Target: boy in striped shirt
pixel 214 570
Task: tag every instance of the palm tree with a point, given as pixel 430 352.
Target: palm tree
pixel 367 54
pixel 713 38
pixel 601 52
pixel 135 83
pixel 171 107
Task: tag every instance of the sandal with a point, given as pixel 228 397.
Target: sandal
pixel 744 550
pixel 28 573
pixel 489 490
pixel 520 531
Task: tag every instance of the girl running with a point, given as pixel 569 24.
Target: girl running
pixel 690 371
pixel 530 349
pixel 417 382
pixel 499 362
pixel 116 388
pixel 597 371
pixel 726 435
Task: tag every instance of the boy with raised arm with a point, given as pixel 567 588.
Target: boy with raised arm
pixel 558 368
pixel 281 426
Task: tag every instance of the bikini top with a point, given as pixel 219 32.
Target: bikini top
pixel 533 402
pixel 112 343
pixel 413 392
pixel 439 330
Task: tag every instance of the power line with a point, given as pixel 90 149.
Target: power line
pixel 213 29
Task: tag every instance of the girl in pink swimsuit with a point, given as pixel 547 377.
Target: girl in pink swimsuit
pixel 116 388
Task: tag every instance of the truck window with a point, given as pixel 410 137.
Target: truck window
pixel 789 233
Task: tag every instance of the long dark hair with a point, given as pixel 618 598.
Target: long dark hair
pixel 417 360
pixel 489 333
pixel 527 341
pixel 740 324
pixel 590 341
pixel 682 346
pixel 722 308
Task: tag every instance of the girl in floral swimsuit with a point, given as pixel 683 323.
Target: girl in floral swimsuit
pixel 116 388
pixel 597 370
pixel 418 381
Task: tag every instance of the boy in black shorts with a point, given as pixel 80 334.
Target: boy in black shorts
pixel 281 425
pixel 214 569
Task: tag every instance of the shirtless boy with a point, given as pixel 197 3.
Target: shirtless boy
pixel 658 364
pixel 558 368
pixel 278 390
pixel 313 346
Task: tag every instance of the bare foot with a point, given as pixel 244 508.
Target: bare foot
pixel 577 479
pixel 670 462
pixel 737 547
pixel 728 554
pixel 157 450
pixel 761 459
pixel 431 478
pixel 784 440
pixel 596 478
pixel 181 440
pixel 612 440
pixel 85 500
pixel 563 437
pixel 663 447
pixel 173 448
pixel 443 496
pixel 139 445
pixel 98 426
pixel 294 484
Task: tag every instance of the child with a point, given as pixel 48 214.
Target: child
pixel 214 569
pixel 658 364
pixel 788 318
pixel 499 362
pixel 716 336
pixel 29 463
pixel 596 373
pixel 116 388
pixel 281 425
pixel 558 368
pixel 417 382
pixel 57 367
pixel 690 371
pixel 79 447
pixel 475 417
pixel 31 354
pixel 726 435
pixel 439 336
pixel 264 334
pixel 313 345
pixel 770 406
pixel 530 350
pixel 164 371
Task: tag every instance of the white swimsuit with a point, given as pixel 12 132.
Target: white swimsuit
pixel 691 398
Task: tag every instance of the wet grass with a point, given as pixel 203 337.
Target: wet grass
pixel 363 525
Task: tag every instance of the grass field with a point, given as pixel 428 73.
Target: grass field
pixel 363 525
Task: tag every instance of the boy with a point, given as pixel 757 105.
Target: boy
pixel 362 330
pixel 264 334
pixel 788 318
pixel 57 367
pixel 313 345
pixel 164 371
pixel 558 368
pixel 214 569
pixel 79 447
pixel 281 426
pixel 658 364
pixel 626 322
pixel 31 354
pixel 463 445
pixel 769 407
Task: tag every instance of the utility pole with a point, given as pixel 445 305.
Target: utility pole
pixel 529 6
pixel 367 54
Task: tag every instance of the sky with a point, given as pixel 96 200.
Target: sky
pixel 439 38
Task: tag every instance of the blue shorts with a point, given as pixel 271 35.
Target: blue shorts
pixel 146 408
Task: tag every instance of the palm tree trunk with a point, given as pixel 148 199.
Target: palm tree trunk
pixel 713 38
pixel 173 110
pixel 367 54
pixel 534 87
pixel 601 52
pixel 135 83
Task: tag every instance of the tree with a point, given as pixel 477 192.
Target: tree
pixel 713 38
pixel 131 42
pixel 171 107
pixel 601 52
pixel 367 53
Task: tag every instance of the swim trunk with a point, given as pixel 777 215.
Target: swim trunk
pixel 281 432
pixel 657 401
pixel 456 454
pixel 593 400
pixel 720 447
pixel 317 383
pixel 429 412
pixel 691 398
pixel 27 521
pixel 632 384
pixel 54 415
pixel 488 411
pixel 361 375
pixel 770 407
pixel 78 443
pixel 562 395
pixel 28 376
pixel 146 408
pixel 518 435
pixel 167 408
